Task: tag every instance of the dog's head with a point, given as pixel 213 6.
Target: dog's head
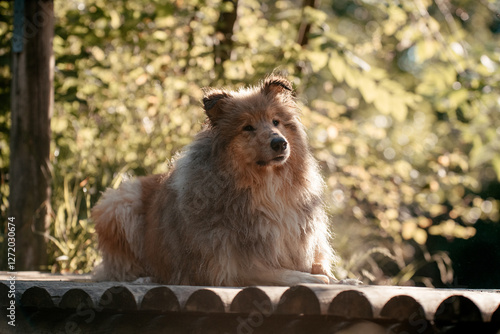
pixel 258 126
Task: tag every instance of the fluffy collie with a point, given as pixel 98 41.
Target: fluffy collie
pixel 240 206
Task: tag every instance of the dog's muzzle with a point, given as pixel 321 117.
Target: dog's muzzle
pixel 279 145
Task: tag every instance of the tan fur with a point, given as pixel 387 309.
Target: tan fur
pixel 234 210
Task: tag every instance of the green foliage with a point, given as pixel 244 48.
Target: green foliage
pixel 73 233
pixel 410 155
pixel 401 100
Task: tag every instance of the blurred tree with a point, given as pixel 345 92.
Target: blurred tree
pixel 6 19
pixel 400 98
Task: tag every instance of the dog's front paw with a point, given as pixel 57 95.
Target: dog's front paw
pixel 143 280
pixel 292 277
pixel 321 279
pixel 347 281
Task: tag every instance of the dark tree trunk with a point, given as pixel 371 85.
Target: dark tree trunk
pixel 305 27
pixel 224 34
pixel 32 103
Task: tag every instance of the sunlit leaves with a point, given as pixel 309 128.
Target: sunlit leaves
pixel 410 230
pixel 397 18
pixel 337 66
pixel 451 229
pixel 388 96
pixel 318 59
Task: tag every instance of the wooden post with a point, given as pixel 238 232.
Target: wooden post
pixel 32 103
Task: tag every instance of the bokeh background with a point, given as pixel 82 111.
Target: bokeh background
pixel 401 100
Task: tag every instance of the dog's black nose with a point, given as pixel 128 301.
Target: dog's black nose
pixel 279 144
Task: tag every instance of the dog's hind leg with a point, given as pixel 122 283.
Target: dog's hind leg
pixel 119 224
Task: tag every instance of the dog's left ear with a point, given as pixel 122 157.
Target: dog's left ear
pixel 213 103
pixel 277 85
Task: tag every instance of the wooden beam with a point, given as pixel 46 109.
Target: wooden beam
pixel 32 103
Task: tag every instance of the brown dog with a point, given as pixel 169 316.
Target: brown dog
pixel 241 206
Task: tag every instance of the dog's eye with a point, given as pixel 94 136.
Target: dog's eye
pixel 276 122
pixel 248 128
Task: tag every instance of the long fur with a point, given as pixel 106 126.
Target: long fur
pixel 232 211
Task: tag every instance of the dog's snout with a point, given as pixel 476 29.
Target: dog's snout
pixel 279 144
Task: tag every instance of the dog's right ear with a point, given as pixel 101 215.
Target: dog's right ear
pixel 276 84
pixel 213 103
